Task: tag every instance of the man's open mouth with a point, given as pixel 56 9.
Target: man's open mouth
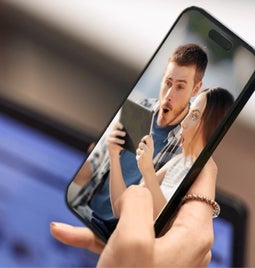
pixel 165 110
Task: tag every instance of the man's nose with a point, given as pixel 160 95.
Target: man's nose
pixel 169 94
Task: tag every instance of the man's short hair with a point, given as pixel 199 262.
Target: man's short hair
pixel 191 54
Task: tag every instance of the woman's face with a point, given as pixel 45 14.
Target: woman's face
pixel 190 125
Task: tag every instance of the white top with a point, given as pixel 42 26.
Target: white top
pixel 178 169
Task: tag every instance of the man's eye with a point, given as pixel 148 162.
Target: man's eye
pixel 168 83
pixel 179 87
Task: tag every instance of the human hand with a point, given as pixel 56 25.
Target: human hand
pixel 186 244
pixel 81 237
pixel 115 140
pixel 144 154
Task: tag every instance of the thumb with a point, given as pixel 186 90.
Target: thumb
pixel 81 237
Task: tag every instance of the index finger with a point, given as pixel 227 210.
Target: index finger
pixel 135 210
pixel 134 234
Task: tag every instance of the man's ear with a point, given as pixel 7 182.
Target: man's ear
pixel 197 88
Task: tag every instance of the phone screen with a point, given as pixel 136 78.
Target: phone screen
pixel 182 93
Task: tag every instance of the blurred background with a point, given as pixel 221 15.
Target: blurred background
pixel 100 47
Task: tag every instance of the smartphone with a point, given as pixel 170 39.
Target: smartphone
pixel 229 64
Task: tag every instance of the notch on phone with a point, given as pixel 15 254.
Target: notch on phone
pixel 220 39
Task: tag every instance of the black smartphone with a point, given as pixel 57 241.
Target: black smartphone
pixel 201 72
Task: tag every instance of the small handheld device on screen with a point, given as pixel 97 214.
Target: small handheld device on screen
pixel 199 79
pixel 136 120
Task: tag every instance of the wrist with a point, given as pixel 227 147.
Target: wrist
pixel 148 170
pixel 114 156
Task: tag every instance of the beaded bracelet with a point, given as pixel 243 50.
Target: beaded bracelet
pixel 212 203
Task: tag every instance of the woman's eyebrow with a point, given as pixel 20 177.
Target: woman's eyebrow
pixel 195 110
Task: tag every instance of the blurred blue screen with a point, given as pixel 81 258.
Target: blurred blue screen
pixel 222 250
pixel 35 169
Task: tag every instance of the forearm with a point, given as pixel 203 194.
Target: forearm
pixel 84 174
pixel 117 183
pixel 152 182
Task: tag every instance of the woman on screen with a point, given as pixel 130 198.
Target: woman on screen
pixel 205 114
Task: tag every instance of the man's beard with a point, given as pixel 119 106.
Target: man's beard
pixel 164 122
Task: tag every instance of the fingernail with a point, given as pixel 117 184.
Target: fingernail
pixel 59 224
pixel 53 223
